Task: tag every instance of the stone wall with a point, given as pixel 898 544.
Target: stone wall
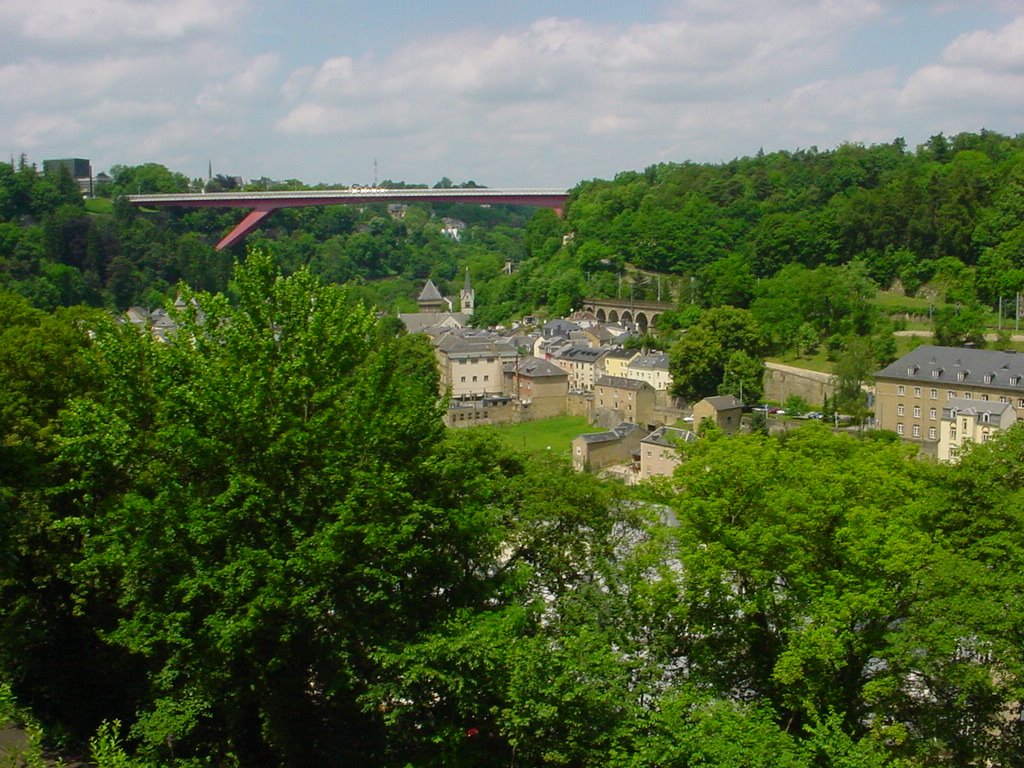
pixel 781 381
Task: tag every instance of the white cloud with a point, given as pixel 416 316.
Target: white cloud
pixel 108 22
pixel 1001 50
pixel 552 101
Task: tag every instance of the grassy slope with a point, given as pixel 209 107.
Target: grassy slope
pixel 555 434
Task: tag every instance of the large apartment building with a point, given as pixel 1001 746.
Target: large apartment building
pixel 911 393
pixel 471 362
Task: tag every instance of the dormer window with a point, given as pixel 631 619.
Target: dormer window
pixel 936 372
pixel 988 378
pixel 1014 381
pixel 961 375
pixel 912 370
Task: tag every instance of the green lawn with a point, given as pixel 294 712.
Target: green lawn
pixel 555 434
pixel 816 362
pixel 99 205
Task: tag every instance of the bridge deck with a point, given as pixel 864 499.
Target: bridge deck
pixel 263 203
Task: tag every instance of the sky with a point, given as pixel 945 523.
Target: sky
pixel 509 94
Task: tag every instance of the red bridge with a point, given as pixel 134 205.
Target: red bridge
pixel 264 203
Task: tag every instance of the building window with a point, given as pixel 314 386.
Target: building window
pixel 988 378
pixel 984 397
pixel 931 433
pixel 935 394
pixel 961 375
pixel 932 414
pixel 950 394
pixel 917 411
pixel 917 391
pixel 968 396
pixel 474 378
pixel 899 429
pixel 952 432
pixel 917 430
pixel 1020 402
pixel 901 390
pixel 487 378
pixel 899 409
pixel 1004 399
pixel 463 379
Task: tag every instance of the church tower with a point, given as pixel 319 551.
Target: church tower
pixel 430 299
pixel 466 296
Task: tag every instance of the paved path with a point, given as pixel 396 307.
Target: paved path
pixel 929 334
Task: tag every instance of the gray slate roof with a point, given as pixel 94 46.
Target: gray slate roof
pixel 621 382
pixel 580 354
pixel 975 408
pixel 723 402
pixel 669 437
pixel 430 292
pixel 471 342
pixel 535 367
pixel 958 365
pixel 655 361
pixel 624 429
pixel 417 322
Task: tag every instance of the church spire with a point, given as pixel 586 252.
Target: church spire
pixel 466 296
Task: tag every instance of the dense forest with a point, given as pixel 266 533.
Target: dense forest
pixel 257 545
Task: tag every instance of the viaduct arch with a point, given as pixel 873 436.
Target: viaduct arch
pixel 641 313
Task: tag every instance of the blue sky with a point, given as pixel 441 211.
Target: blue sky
pixel 507 94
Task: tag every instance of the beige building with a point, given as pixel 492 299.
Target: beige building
pixel 583 364
pixel 911 393
pixel 630 400
pixel 477 411
pixel 616 361
pixel 597 450
pixel 538 385
pixel 652 368
pixel 971 421
pixel 725 411
pixel 471 362
pixel 659 451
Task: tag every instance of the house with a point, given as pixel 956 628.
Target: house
pixel 616 361
pixel 583 364
pixel 971 421
pixel 546 346
pixel 558 327
pixel 724 411
pixel 425 322
pixel 652 368
pixel 476 411
pixel 629 399
pixel 597 450
pixel 471 362
pixel 539 386
pixel 911 393
pixel 592 336
pixel 452 228
pixel 659 451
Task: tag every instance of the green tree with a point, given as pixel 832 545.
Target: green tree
pixel 698 360
pixel 957 324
